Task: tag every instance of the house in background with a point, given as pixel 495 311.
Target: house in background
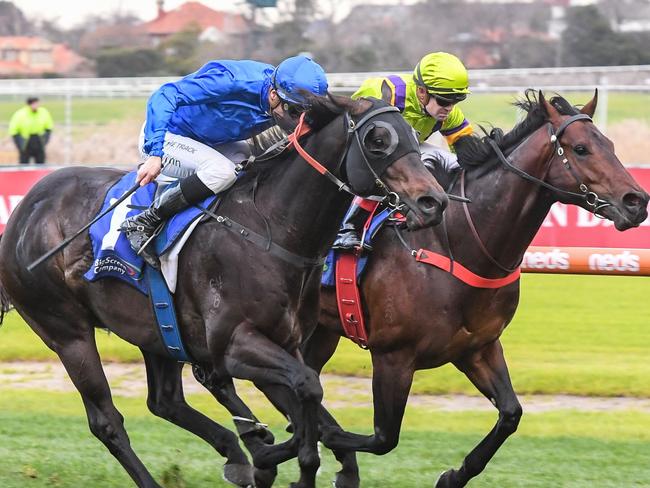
pixel 35 56
pixel 213 24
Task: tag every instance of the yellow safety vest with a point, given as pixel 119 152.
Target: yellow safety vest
pixel 27 122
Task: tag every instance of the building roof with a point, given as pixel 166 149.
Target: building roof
pixel 23 42
pixel 65 59
pixel 195 13
pixel 62 59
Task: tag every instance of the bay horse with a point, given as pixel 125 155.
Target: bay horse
pixel 242 308
pixel 420 317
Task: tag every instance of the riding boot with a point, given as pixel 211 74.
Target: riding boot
pixel 140 228
pixel 349 235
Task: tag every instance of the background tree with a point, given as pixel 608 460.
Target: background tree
pixel 181 51
pixel 13 22
pixel 589 40
pixel 130 62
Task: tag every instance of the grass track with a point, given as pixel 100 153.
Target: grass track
pixel 593 340
pixel 556 344
pixel 45 442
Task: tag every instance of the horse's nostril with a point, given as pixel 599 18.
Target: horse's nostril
pixel 428 203
pixel 634 200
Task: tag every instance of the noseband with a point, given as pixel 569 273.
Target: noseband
pixel 591 198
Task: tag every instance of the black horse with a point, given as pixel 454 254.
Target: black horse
pixel 242 310
pixel 556 153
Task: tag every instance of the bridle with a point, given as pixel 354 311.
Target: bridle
pixel 266 242
pixel 591 198
pixel 352 131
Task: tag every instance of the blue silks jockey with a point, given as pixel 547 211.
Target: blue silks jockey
pixel 196 127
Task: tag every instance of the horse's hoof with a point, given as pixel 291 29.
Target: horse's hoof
pixel 448 480
pixel 346 480
pixel 264 478
pixel 239 475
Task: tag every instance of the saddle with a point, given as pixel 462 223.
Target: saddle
pixel 114 257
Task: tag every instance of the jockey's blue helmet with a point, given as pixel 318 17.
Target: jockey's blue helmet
pixel 296 74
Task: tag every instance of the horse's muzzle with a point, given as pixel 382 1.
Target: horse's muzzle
pixel 631 211
pixel 427 210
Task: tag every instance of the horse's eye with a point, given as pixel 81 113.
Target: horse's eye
pixel 580 150
pixel 378 141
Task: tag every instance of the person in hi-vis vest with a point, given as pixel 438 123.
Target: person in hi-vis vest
pixel 31 127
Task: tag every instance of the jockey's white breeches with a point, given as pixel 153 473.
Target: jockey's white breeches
pixel 447 159
pixel 183 156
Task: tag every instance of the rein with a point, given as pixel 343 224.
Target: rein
pixel 475 233
pixel 352 131
pixel 292 139
pixel 591 198
pixel 301 129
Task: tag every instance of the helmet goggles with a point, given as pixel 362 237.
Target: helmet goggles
pixel 448 99
pixel 291 106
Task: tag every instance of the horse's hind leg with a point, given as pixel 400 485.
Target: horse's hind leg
pixel 78 352
pixel 166 400
pixel 488 371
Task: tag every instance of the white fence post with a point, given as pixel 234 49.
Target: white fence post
pixel 603 104
pixel 67 149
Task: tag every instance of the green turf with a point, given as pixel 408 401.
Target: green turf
pixel 96 111
pixel 591 341
pixel 45 442
pixel 481 108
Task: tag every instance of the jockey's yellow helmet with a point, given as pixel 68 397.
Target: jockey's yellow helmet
pixel 442 74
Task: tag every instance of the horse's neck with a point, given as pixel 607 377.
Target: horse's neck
pixel 506 209
pixel 304 207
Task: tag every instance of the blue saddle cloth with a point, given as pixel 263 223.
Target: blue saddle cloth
pixel 329 268
pixel 113 256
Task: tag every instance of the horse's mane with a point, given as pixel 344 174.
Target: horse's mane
pixel 474 151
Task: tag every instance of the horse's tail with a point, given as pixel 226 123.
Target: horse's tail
pixel 5 302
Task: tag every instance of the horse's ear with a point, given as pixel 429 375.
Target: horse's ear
pixel 324 109
pixel 550 111
pixel 590 106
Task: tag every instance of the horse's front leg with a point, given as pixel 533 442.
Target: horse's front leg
pixel 488 371
pixel 316 352
pixel 167 400
pixel 391 382
pixel 286 382
pixel 221 386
